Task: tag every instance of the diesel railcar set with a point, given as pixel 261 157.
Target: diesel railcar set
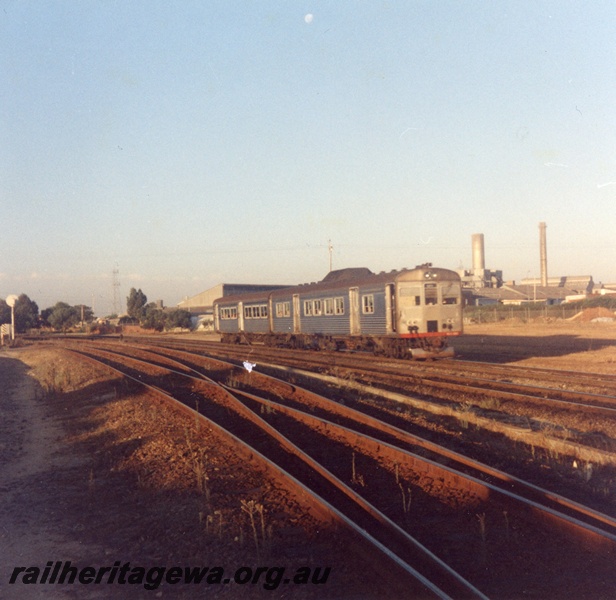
pixel 402 314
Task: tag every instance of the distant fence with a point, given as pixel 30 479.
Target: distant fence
pixel 526 314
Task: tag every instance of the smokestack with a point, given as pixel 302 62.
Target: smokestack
pixel 543 251
pixel 479 261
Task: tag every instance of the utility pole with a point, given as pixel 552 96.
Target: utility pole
pixel 116 290
pixel 543 251
pixel 331 251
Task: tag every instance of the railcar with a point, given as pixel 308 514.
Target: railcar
pixel 403 314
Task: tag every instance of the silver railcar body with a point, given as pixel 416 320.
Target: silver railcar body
pixel 407 313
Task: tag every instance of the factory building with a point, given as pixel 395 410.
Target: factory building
pixel 482 286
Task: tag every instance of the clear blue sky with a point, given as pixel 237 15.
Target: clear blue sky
pixel 189 143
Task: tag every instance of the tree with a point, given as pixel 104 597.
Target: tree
pixel 45 313
pixel 135 303
pixel 26 314
pixel 179 318
pixel 85 313
pixel 154 318
pixel 63 316
pixel 5 312
pixel 158 319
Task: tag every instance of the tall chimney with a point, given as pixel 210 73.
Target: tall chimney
pixel 544 254
pixel 479 261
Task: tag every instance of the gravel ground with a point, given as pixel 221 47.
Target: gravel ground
pixel 574 346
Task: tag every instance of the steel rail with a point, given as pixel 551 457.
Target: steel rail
pixel 526 371
pixel 407 437
pixel 590 535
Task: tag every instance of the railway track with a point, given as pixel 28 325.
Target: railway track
pixel 257 439
pixel 349 444
pixel 567 390
pixel 560 423
pixel 583 380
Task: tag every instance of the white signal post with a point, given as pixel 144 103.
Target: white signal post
pixel 10 300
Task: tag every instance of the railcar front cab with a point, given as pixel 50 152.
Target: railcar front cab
pixel 427 309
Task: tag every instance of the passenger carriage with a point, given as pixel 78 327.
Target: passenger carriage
pixel 407 313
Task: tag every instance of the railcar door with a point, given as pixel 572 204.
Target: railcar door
pixel 270 315
pixel 354 324
pixel 240 316
pixel 216 318
pixel 296 320
pixel 390 309
pixel 409 309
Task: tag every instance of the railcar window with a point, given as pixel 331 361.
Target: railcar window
pixel 411 292
pixel 228 313
pixel 339 306
pixel 328 306
pixel 256 312
pixel 431 293
pixel 451 294
pixel 317 307
pixel 367 304
pixel 283 309
pixel 308 308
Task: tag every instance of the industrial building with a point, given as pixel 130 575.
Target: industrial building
pixel 484 286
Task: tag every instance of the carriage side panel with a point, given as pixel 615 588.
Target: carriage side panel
pixel 325 312
pixel 372 310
